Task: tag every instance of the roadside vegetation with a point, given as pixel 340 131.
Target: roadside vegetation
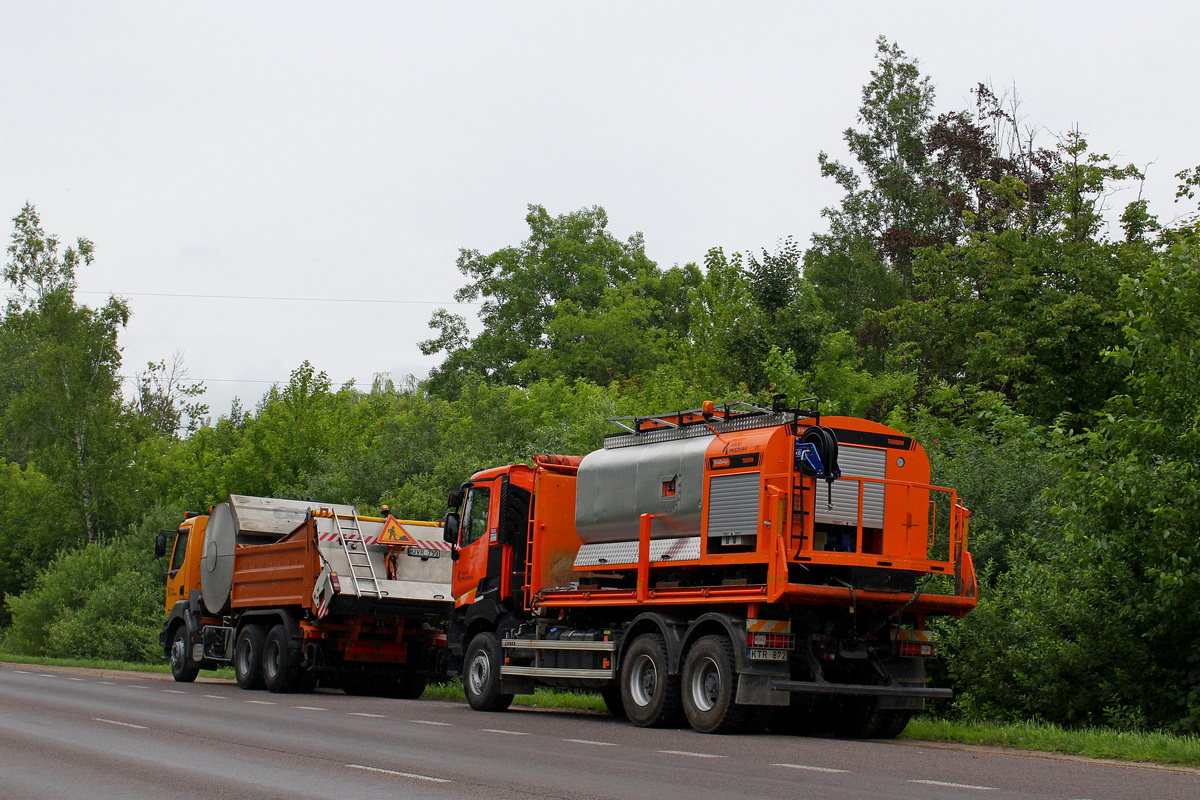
pixel 977 286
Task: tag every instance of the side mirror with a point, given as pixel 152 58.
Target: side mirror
pixel 456 498
pixel 450 533
pixel 160 545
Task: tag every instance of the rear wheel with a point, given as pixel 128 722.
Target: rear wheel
pixel 280 671
pixel 862 718
pixel 247 657
pixel 481 674
pixel 710 688
pixel 649 693
pixel 613 701
pixel 183 669
pixel 805 715
pixel 410 687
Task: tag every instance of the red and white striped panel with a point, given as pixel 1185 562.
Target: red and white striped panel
pixel 768 626
pixel 332 536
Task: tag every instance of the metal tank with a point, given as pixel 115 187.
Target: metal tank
pixel 615 487
pixel 247 520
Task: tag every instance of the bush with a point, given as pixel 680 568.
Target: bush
pixel 102 600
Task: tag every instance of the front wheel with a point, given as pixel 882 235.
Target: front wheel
pixel 182 668
pixel 710 688
pixel 649 693
pixel 481 674
pixel 247 657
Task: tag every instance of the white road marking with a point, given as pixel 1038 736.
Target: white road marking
pixel 365 714
pixel 693 755
pixel 44 675
pixel 957 785
pixel 22 672
pixel 214 696
pixel 507 733
pixel 107 683
pixel 262 702
pixel 122 724
pixel 136 686
pixel 174 691
pixel 400 774
pixel 77 679
pixel 309 708
pixel 589 741
pixel 429 722
pixel 813 769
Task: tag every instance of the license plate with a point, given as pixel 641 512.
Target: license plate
pixel 763 654
pixel 424 552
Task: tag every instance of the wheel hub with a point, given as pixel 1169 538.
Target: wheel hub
pixel 644 681
pixel 706 685
pixel 478 675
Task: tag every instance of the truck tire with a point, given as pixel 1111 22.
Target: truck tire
pixel 183 670
pixel 710 687
pixel 862 718
pixel 281 673
pixel 481 674
pixel 649 693
pixel 805 715
pixel 247 657
pixel 409 687
pixel 613 701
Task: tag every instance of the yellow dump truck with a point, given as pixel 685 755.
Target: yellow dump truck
pixel 292 593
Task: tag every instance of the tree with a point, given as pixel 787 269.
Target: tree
pixel 896 205
pixel 745 307
pixel 569 267
pixel 164 395
pixel 1026 311
pixel 60 402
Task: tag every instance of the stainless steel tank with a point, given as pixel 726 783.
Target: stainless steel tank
pixel 615 487
pixel 247 520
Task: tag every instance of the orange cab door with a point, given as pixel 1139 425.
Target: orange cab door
pixel 477 536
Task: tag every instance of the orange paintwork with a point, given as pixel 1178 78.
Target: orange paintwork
pixel 277 574
pixel 785 531
pixel 188 546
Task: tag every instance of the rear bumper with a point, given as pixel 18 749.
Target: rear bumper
pixel 824 687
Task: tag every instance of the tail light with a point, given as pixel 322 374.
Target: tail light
pixel 783 640
pixel 917 649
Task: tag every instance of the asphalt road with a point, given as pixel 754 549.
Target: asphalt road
pixel 89 734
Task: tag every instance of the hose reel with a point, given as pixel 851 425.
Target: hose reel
pixel 817 456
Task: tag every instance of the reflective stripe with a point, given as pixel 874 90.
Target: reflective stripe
pixel 768 626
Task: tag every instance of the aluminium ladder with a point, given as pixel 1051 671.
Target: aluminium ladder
pixel 362 572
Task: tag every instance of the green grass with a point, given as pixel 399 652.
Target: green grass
pixel 542 698
pixel 1162 748
pixel 1145 746
pixel 95 663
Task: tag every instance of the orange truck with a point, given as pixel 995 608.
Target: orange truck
pixel 726 565
pixel 292 592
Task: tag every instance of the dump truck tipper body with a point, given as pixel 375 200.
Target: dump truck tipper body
pixel 291 592
pixel 714 565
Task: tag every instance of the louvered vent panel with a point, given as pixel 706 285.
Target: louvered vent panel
pixel 733 504
pixel 863 462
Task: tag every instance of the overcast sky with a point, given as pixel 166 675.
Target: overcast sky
pixel 348 150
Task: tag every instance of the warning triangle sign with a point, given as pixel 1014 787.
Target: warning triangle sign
pixel 393 533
